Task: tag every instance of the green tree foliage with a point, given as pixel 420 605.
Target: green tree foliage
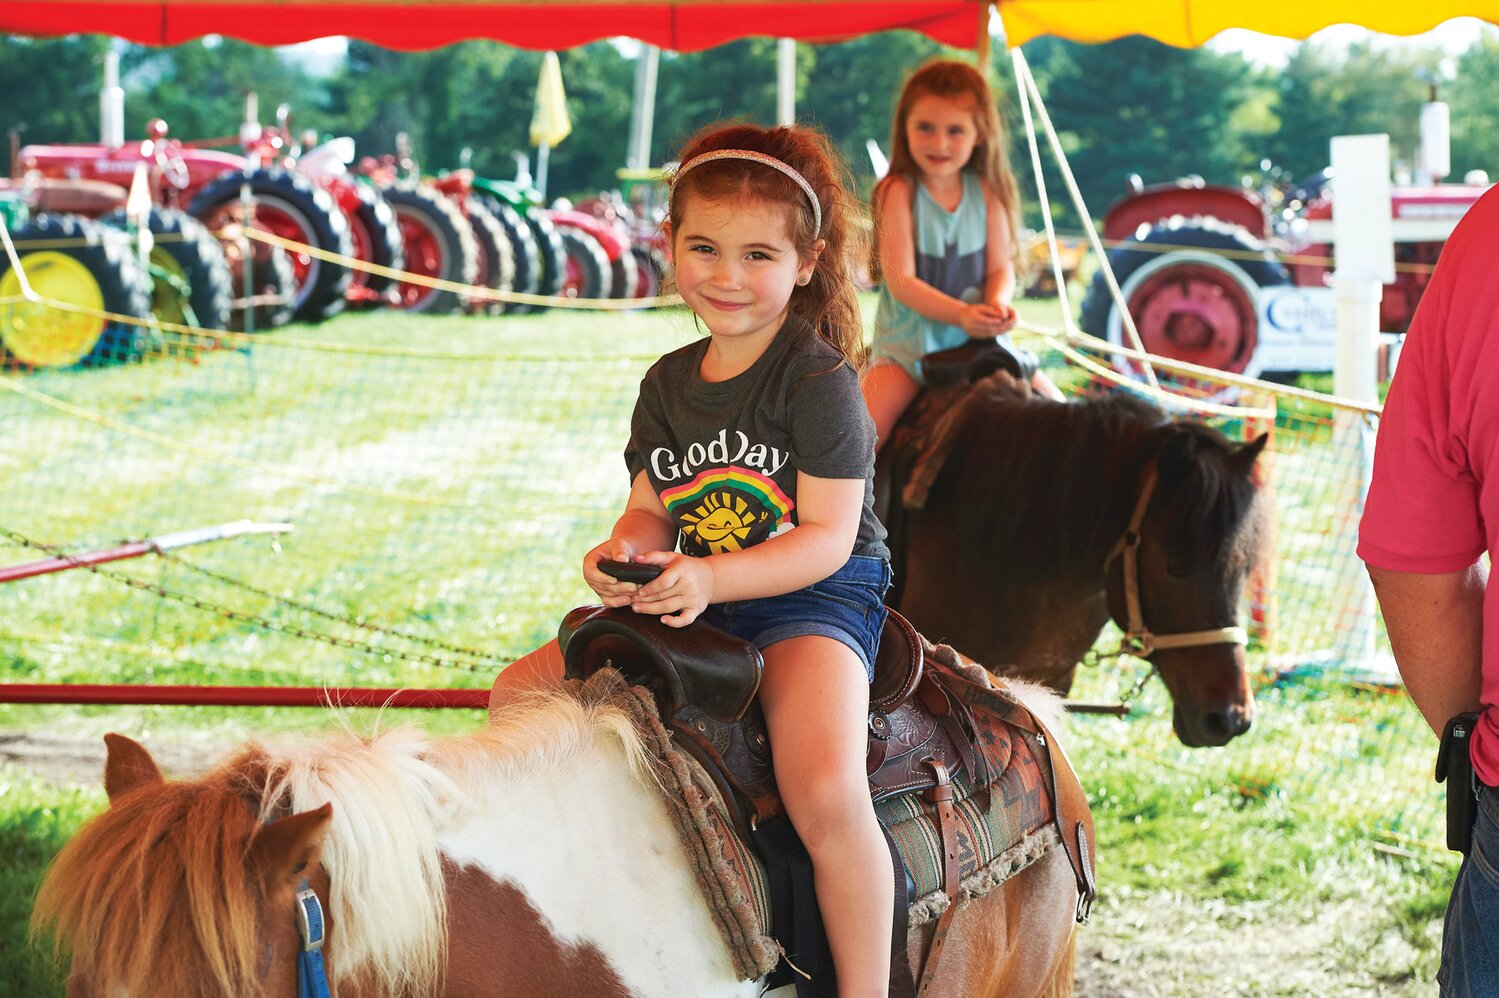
pixel 1475 137
pixel 51 87
pixel 1136 106
pixel 1368 89
pixel 199 88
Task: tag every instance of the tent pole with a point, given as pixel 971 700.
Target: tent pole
pixel 643 112
pixel 786 81
pixel 981 48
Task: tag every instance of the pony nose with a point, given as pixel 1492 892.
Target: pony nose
pixel 1223 725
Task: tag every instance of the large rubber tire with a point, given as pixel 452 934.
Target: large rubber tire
pixel 1189 300
pixel 291 206
pixel 649 272
pixel 439 243
pixel 382 232
pixel 496 259
pixel 553 257
pixel 587 265
pixel 625 274
pixel 524 251
pixel 82 263
pixel 184 246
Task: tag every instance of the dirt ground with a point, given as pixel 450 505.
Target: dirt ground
pixel 1156 945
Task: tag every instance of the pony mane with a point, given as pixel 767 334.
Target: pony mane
pixel 153 896
pixel 1078 465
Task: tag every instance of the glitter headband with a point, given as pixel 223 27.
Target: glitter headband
pixel 756 157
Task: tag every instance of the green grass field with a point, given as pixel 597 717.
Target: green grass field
pixel 445 475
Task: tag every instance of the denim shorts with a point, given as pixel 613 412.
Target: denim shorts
pixel 1470 935
pixel 848 606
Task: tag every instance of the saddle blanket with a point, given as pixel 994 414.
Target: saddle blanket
pixel 1004 825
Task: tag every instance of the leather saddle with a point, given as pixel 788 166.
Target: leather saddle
pixel 921 729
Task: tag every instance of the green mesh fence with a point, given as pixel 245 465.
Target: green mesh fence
pixel 445 476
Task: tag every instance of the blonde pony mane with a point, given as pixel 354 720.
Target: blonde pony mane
pixel 152 896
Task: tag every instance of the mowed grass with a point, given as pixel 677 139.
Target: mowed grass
pixel 446 474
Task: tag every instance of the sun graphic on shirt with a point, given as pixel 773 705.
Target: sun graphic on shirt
pixel 723 521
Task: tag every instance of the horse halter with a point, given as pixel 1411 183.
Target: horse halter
pixel 1138 640
pixel 311 981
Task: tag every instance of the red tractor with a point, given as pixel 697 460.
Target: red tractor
pixel 1221 277
pixel 322 207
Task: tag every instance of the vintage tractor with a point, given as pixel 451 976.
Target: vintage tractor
pixel 70 258
pixel 1238 278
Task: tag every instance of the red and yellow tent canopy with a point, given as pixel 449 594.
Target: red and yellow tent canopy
pixel 687 25
pixel 681 25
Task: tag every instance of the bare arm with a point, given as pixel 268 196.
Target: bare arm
pixel 897 246
pixel 999 258
pixel 828 511
pixel 643 526
pixel 1435 623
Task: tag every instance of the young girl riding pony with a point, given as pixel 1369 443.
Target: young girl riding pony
pixel 751 458
pixel 946 217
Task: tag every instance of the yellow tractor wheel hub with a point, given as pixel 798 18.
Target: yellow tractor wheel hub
pixel 43 335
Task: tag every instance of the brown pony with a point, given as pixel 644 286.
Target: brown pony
pixel 1019 553
pixel 533 858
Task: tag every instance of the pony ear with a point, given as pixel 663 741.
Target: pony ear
pixel 1178 455
pixel 1247 454
pixel 127 765
pixel 285 848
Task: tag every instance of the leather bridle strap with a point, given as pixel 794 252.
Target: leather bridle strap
pixel 311 981
pixel 1138 639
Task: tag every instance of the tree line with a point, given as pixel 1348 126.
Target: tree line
pixel 1132 106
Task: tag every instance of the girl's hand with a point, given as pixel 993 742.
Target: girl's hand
pixel 609 589
pixel 1007 315
pixel 681 592
pixel 982 321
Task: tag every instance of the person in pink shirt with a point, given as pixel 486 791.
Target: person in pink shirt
pixel 1431 513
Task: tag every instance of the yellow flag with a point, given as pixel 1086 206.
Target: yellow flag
pixel 549 122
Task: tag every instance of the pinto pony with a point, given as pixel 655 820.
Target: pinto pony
pixel 535 857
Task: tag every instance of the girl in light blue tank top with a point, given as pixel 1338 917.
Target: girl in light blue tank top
pixel 951 252
pixel 946 218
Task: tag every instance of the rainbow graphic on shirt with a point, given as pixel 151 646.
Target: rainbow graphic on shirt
pixel 727 509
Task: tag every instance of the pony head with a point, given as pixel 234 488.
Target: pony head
pixel 179 887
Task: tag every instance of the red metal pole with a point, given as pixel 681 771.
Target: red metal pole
pixel 47 566
pixel 243 696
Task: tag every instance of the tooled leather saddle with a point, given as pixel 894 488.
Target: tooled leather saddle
pixel 925 721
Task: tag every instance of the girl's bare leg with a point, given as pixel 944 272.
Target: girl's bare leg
pixel 541 669
pixel 816 700
pixel 1046 388
pixel 888 391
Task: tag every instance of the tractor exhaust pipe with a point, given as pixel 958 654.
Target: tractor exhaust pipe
pixel 112 104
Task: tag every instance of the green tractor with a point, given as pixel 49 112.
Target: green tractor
pixel 68 258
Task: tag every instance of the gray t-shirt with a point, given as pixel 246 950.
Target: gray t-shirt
pixel 724 456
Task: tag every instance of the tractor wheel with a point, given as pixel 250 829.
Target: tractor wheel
pixel 524 251
pixel 496 260
pixel 82 263
pixel 587 265
pixel 1190 301
pixel 272 287
pixel 185 249
pixel 290 206
pixel 648 272
pixel 552 255
pixel 625 275
pixel 439 244
pixel 377 239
